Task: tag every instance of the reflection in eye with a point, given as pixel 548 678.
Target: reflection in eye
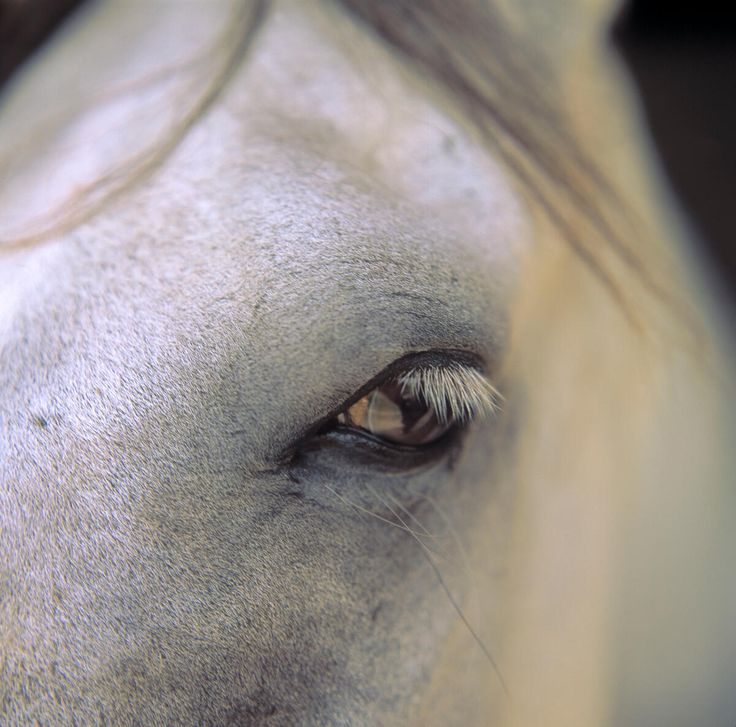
pixel 422 405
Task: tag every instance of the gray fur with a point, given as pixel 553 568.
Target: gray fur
pixel 160 562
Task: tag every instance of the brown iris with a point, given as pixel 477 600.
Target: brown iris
pixel 387 413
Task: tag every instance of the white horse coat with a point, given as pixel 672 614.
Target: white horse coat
pixel 172 550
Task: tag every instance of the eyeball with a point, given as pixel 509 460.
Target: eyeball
pixel 388 412
pixel 422 404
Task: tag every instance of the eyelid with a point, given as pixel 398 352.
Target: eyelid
pixel 436 358
pixel 455 391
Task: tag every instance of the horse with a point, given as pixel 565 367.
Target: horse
pixel 357 368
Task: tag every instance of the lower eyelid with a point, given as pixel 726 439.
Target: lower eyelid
pixel 350 448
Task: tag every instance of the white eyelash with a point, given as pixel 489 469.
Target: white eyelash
pixel 454 391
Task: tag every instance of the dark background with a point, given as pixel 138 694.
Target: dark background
pixel 681 56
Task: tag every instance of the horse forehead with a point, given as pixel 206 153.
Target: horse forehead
pixel 349 165
pixel 317 83
pixel 313 83
pixel 322 135
pixel 296 200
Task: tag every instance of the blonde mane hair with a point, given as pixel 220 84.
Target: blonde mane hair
pixel 618 376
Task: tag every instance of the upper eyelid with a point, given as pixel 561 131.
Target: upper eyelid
pixel 455 391
pixel 435 358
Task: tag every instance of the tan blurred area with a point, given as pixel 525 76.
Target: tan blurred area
pixel 625 594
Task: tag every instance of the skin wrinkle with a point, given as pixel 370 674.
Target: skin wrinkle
pixel 181 340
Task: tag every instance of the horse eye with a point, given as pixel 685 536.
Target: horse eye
pixel 388 413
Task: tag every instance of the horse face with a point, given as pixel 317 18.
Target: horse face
pixel 184 540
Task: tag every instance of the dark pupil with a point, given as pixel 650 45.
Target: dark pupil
pixel 386 413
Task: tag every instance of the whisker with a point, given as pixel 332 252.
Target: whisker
pixel 411 515
pixel 453 534
pixel 365 510
pixel 437 554
pixel 429 556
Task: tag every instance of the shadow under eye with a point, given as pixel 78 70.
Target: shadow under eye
pixel 352 470
pixel 351 447
pixel 342 447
